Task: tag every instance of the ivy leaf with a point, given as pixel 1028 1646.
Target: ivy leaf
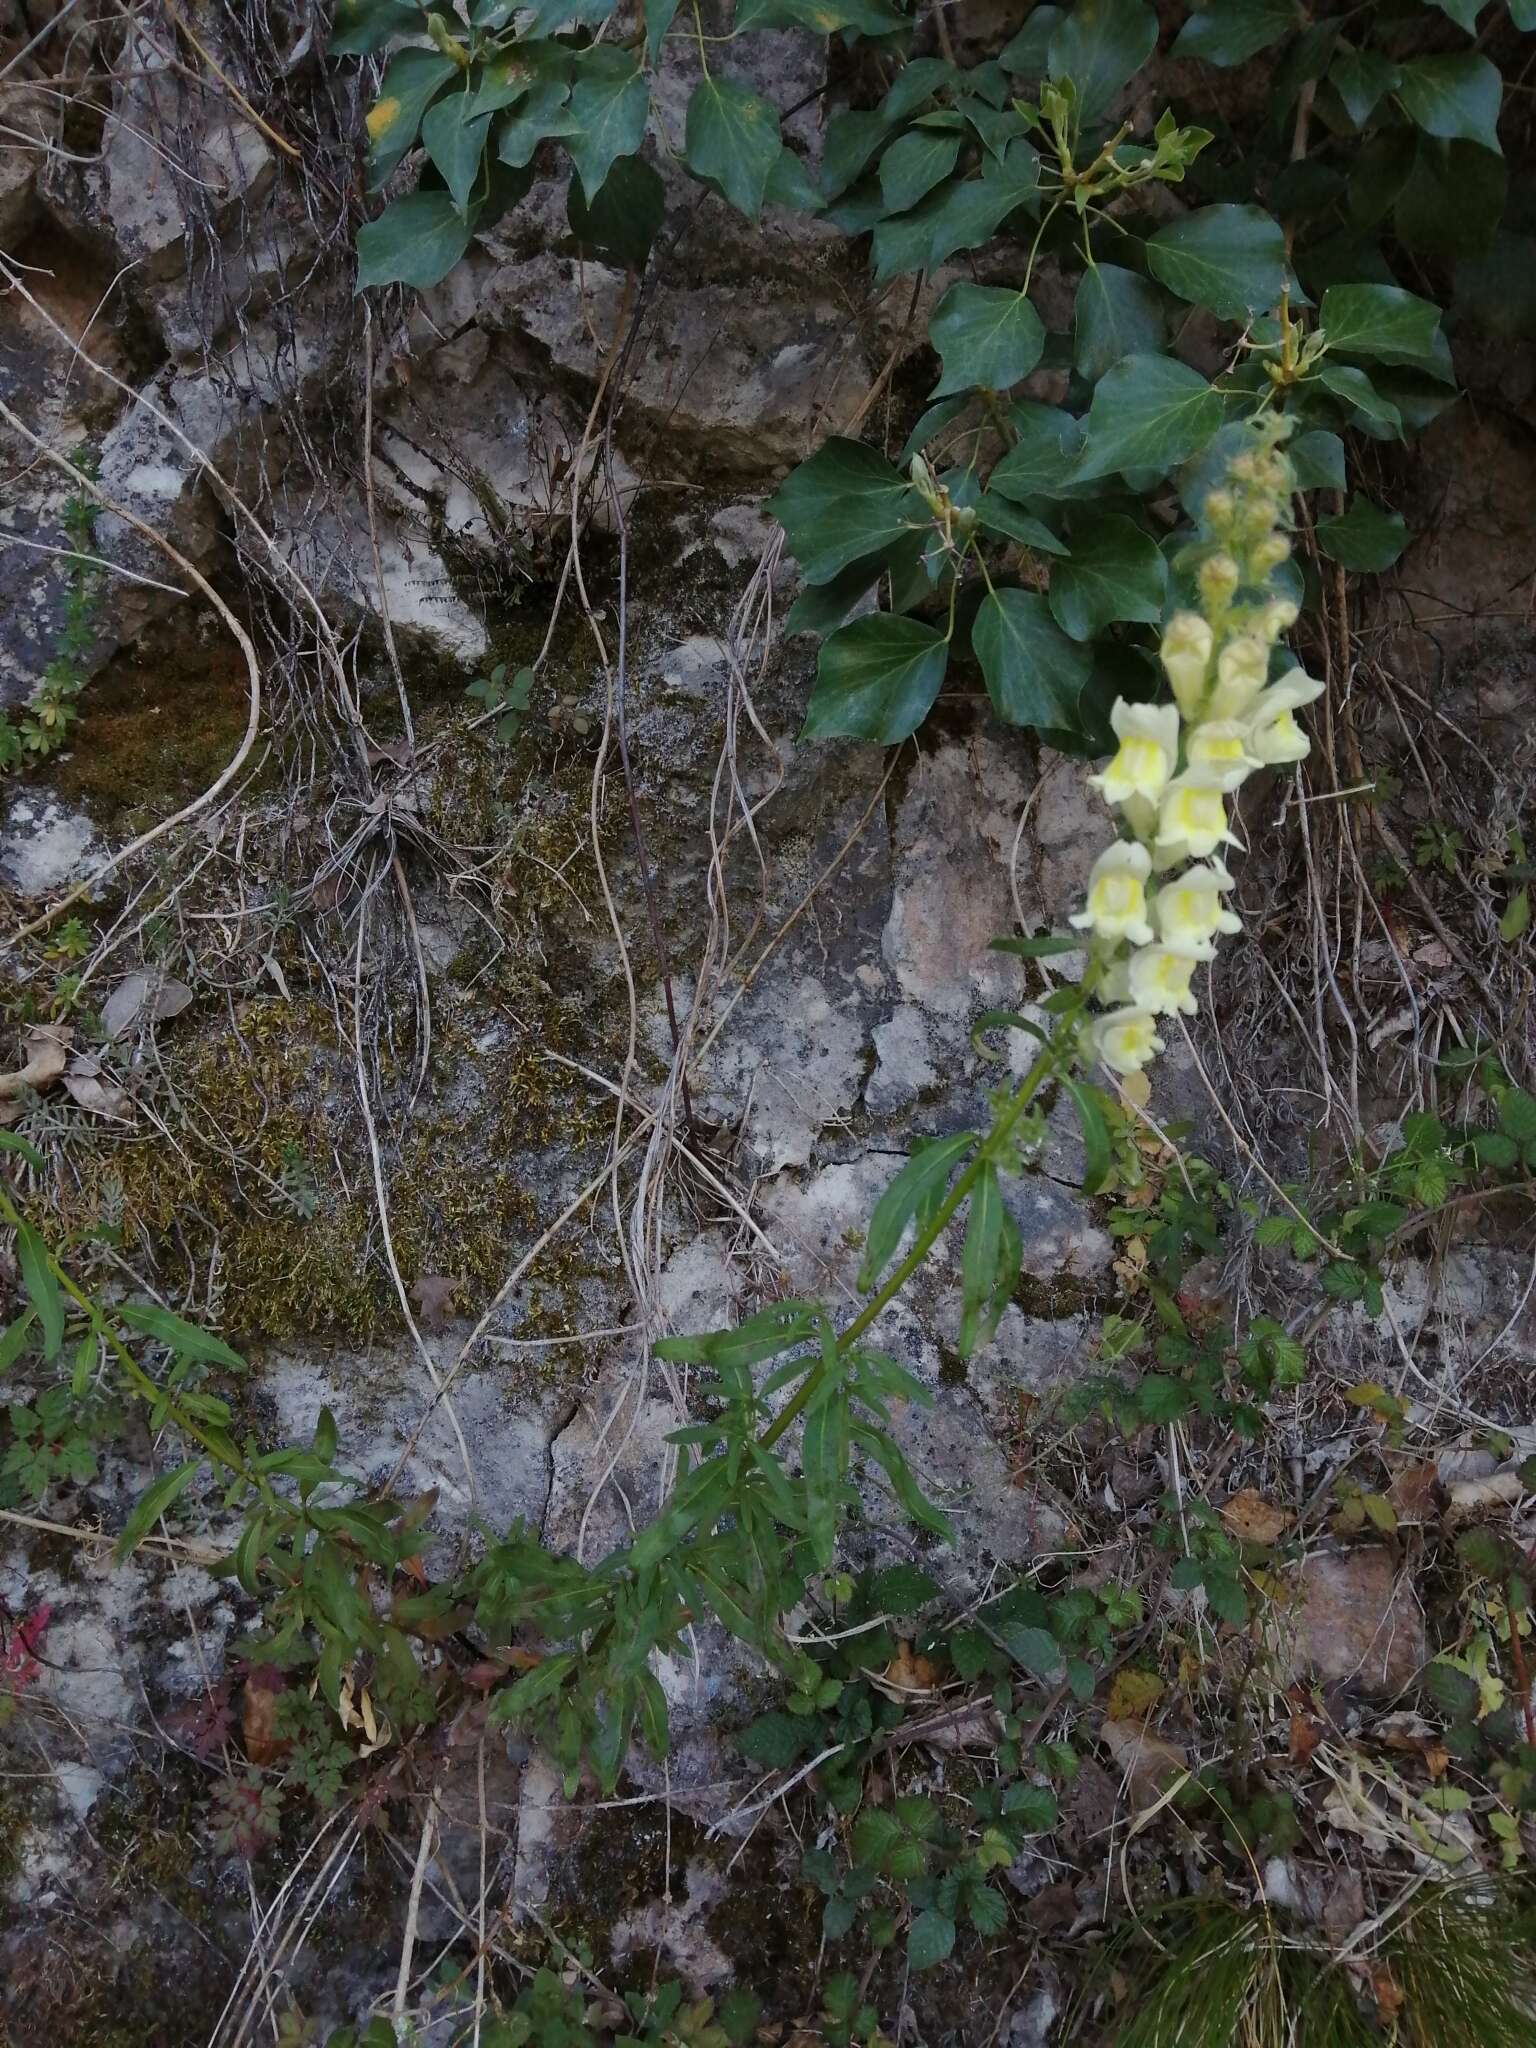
pixel 625 217
pixel 1229 258
pixel 986 337
pixel 929 1939
pixel 1117 314
pixel 842 504
pixel 1451 200
pixel 1148 413
pixel 851 140
pixel 542 115
pixel 914 164
pixel 1365 538
pixel 1044 456
pixel 1463 12
pixel 1231 31
pixel 415 240
pixel 1361 78
pixel 1034 673
pixel 1000 517
pixel 363 26
pixel 789 185
pixel 1115 571
pixel 1382 321
pixel 454 137
pixel 876 680
pixel 959 215
pixel 1099 46
pixel 658 19
pixel 411 83
pixel 1318 460
pixel 1357 391
pixel 1028 55
pixel 1455 98
pixel 609 103
pixel 732 138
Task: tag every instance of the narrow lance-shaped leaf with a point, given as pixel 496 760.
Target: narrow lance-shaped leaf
pixel 918 1187
pixel 151 1505
pixel 37 1277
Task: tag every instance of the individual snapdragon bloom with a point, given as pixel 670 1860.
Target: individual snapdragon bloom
pixel 1275 618
pixel 1117 895
pixel 1192 821
pixel 1185 653
pixel 1241 669
pixel 1159 979
pixel 1217 578
pixel 1219 749
pixel 1125 1039
pixel 1148 752
pixel 1273 734
pixel 1189 911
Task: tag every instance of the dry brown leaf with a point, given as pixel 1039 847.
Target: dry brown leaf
pixel 142 998
pixel 911 1672
pixel 1150 1763
pixel 46 1055
pixel 101 1098
pixel 433 1295
pixel 1253 1519
pixel 258 1718
pixel 1133 1694
pixel 1306 1734
pixel 1412 1492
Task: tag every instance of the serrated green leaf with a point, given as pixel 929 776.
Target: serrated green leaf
pixel 1227 32
pixel 1033 672
pixel 411 83
pixel 415 240
pixel 1114 571
pixel 914 164
pixel 608 108
pixel 732 138
pixel 626 216
pixel 773 1740
pixel 1118 313
pixel 1455 98
pixel 929 1939
pixel 1148 413
pixel 1100 46
pixel 1228 258
pixel 986 337
pixel 1036 1649
pixel 903 1589
pixel 1365 538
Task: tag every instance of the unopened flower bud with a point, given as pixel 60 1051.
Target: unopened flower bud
pixel 1268 554
pixel 1218 578
pixel 1220 509
pixel 1186 657
pixel 1277 617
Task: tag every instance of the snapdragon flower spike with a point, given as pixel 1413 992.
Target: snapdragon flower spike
pixel 1125 1039
pixel 1189 912
pixel 1159 979
pixel 1117 895
pixel 1192 822
pixel 1274 736
pixel 1148 753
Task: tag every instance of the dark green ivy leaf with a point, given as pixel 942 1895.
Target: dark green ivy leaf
pixel 1114 571
pixel 1100 46
pixel 1361 78
pixel 1229 258
pixel 986 336
pixel 411 83
pixel 363 26
pixel 1034 673
pixel 1148 413
pixel 625 218
pixel 1381 321
pixel 454 138
pixel 732 138
pixel 1118 313
pixel 609 103
pixel 842 504
pixel 1229 32
pixel 1365 538
pixel 914 164
pixel 876 680
pixel 1455 98
pixel 415 240
pixel 959 215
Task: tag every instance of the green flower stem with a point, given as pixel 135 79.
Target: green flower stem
pixel 992 1148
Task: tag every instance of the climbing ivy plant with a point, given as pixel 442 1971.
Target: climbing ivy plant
pixel 1030 525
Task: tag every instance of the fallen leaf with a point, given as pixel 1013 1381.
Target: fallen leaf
pixel 1306 1734
pixel 909 1671
pixel 1133 1694
pixel 46 1050
pixel 102 1100
pixel 258 1718
pixel 433 1295
pixel 1253 1519
pixel 1412 1492
pixel 142 998
pixel 1386 1991
pixel 1150 1764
